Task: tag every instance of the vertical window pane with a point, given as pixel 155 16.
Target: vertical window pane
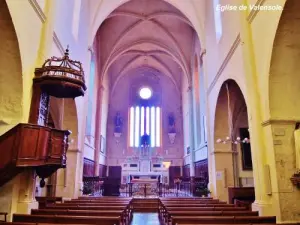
pixel 131 131
pixel 137 123
pixel 157 134
pixel 142 121
pixel 152 127
pixel 147 120
pixel 218 19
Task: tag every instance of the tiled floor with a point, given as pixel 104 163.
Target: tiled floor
pixel 145 219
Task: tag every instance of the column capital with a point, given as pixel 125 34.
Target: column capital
pixel 202 53
pixel 90 49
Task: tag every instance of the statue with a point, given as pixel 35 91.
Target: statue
pixel 118 123
pixel 171 120
pixel 297 144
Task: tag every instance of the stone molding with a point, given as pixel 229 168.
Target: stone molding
pixel 222 152
pixel 74 151
pixel 230 53
pixel 278 121
pixel 89 145
pixel 36 7
pixel 200 148
pixel 58 44
pixel 253 12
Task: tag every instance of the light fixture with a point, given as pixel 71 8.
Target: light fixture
pixel 145 93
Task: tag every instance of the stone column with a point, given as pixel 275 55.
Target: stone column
pixel 98 128
pixel 262 200
pixel 191 132
pixel 26 192
pixel 282 165
pixel 69 180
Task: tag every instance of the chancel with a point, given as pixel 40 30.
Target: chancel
pixel 149 111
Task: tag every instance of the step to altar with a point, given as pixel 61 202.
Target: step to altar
pixel 145 204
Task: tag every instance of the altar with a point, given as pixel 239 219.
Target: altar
pixel 142 177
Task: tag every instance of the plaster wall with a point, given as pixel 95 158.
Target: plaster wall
pixel 218 50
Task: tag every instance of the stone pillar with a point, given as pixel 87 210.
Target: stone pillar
pixel 282 165
pixel 191 128
pixel 221 160
pixel 98 128
pixel 27 192
pixel 262 200
pixel 69 180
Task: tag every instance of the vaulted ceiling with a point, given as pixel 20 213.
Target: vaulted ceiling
pixel 147 37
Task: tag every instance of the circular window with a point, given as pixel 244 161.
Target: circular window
pixel 145 93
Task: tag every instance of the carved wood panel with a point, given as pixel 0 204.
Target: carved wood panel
pixel 186 171
pixel 88 167
pixel 201 169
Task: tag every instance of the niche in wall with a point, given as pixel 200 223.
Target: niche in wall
pixel 246 150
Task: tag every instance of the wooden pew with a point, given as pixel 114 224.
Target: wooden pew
pixel 43 201
pixel 163 211
pixel 21 223
pixel 222 219
pixel 93 204
pixel 128 209
pixel 183 198
pixel 121 213
pixel 63 219
pixel 101 198
pixel 170 213
pixel 4 214
pixel 231 224
pixel 194 201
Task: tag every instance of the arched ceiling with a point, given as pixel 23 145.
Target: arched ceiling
pixel 146 34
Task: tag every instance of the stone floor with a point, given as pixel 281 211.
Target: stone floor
pixel 145 219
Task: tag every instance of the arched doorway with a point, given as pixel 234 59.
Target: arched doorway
pixel 11 88
pixel 284 106
pixel 232 152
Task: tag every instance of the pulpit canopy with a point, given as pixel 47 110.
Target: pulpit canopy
pixel 61 77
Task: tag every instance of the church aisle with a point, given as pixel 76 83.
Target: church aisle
pixel 145 219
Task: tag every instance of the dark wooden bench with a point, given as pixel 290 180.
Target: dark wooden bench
pixel 4 214
pixel 183 204
pixel 124 217
pixel 127 208
pixel 222 219
pixel 94 204
pixel 63 219
pixel 168 216
pixel 43 201
pixel 229 224
pixel 184 198
pixel 21 223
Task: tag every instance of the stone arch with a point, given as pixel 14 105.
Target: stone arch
pixel 284 105
pixel 11 88
pixel 109 6
pixel 189 16
pixel 231 117
pixel 284 82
